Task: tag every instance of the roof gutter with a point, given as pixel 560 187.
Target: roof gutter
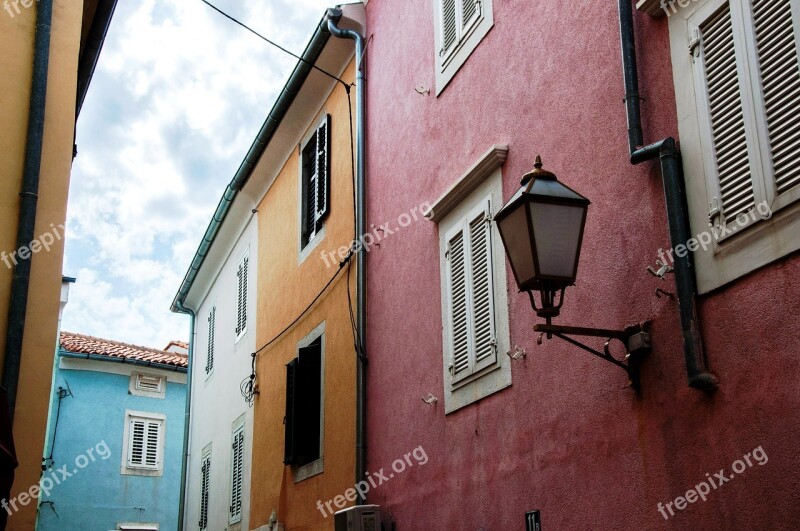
pixel 262 140
pixel 94 45
pixel 124 361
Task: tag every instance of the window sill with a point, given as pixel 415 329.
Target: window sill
pixel 310 470
pixel 149 472
pixel 306 251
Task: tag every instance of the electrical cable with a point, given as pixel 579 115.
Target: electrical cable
pixel 276 45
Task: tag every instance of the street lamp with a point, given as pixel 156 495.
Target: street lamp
pixel 541 227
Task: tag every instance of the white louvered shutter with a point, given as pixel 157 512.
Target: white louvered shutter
pixel 776 47
pixel 205 481
pixel 144 443
pixel 459 307
pixel 136 443
pixel 241 305
pixel 149 383
pixel 482 307
pixel 449 27
pixel 212 326
pixel 237 471
pixel 471 295
pixel 470 12
pixel 724 97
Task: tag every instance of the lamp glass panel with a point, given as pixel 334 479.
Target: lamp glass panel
pixel 517 241
pixel 557 229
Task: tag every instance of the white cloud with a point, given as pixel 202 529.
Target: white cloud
pixel 176 100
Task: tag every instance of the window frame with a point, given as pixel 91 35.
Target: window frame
pixel 468 37
pixel 307 244
pixel 315 467
pixel 768 236
pixel 481 184
pixel 143 470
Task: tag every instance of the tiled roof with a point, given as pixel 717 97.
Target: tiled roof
pixel 80 344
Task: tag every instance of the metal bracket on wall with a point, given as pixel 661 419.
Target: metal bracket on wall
pixel 636 339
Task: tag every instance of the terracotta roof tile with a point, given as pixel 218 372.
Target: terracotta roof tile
pixel 81 344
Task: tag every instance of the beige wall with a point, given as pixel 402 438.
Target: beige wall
pixel 16 58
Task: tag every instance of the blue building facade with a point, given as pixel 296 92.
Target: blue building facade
pixel 115 437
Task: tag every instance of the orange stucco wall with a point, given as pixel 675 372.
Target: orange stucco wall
pixel 285 288
pixel 16 58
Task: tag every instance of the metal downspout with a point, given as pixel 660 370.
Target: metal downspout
pixel 672 174
pixel 361 286
pixel 29 196
pixel 187 417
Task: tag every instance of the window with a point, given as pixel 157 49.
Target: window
pixel 473 281
pixel 460 27
pixel 144 443
pixel 212 325
pixel 315 182
pixel 241 301
pixel 237 471
pixel 303 435
pixel 148 385
pixel 739 131
pixel 205 482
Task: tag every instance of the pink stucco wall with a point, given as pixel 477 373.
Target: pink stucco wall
pixel 567 437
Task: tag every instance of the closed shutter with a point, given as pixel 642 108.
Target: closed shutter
pixel 237 470
pixel 144 444
pixel 482 290
pixel 241 306
pixel 726 115
pixel 471 295
pixel 212 324
pixel 205 481
pixel 776 45
pixel 148 383
pixel 459 307
pixel 470 11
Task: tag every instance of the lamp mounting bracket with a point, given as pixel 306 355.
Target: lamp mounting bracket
pixel 636 339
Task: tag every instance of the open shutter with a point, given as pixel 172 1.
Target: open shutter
pixel 459 319
pixel 136 443
pixel 776 46
pixel 482 309
pixel 205 481
pixel 323 180
pixel 212 324
pixel 724 97
pixel 289 453
pixel 236 474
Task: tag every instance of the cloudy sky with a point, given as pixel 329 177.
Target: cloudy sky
pixel 176 100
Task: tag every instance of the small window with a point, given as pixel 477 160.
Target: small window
pixel 475 336
pixel 237 473
pixel 148 385
pixel 315 177
pixel 460 27
pixel 303 434
pixel 144 443
pixel 241 301
pixel 212 326
pixel 205 482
